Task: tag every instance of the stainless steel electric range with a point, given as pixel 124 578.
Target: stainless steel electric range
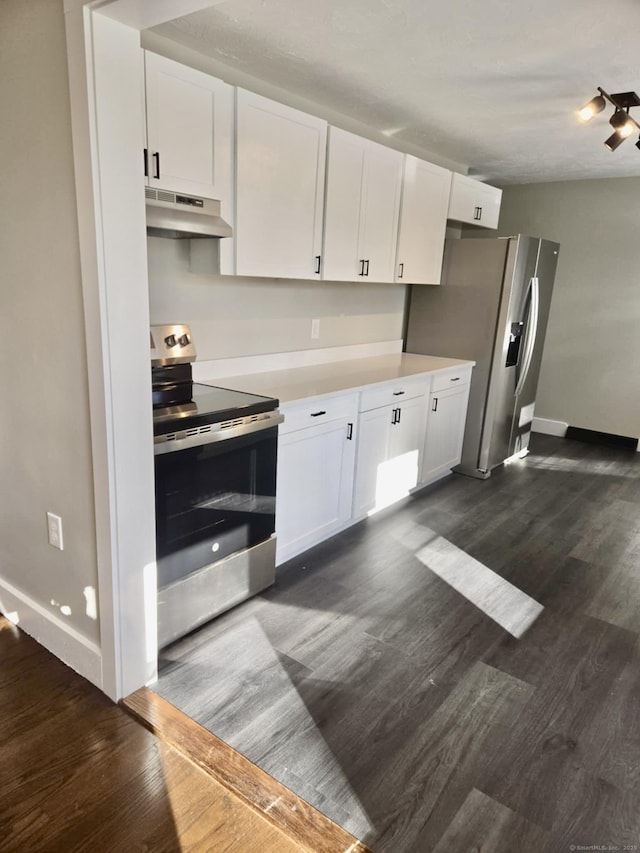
pixel 215 489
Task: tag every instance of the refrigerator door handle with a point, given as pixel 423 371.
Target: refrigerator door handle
pixel 534 288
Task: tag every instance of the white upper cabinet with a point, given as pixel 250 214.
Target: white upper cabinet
pixel 474 202
pixel 280 169
pixel 361 209
pixel 189 131
pixel 423 221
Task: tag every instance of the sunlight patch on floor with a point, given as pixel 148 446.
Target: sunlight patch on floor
pixel 512 609
pixel 249 700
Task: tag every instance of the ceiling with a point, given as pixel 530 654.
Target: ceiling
pixel 491 85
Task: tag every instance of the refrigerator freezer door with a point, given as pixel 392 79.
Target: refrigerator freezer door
pixel 528 382
pixel 530 325
pixel 496 441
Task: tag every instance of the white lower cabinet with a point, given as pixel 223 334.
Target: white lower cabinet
pixel 316 455
pixel 390 446
pixel 446 419
pixel 343 457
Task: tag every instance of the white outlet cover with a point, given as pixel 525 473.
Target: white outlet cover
pixel 54 527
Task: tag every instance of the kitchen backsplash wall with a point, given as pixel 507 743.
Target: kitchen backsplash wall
pixel 232 316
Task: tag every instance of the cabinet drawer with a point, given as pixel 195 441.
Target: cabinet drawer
pixel 393 392
pixel 450 379
pixel 317 411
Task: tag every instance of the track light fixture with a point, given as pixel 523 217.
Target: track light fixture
pixel 614 140
pixel 621 121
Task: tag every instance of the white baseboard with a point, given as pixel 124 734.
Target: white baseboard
pixel 549 427
pixel 78 652
pixel 241 366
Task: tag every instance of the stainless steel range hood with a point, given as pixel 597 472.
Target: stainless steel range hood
pixel 181 216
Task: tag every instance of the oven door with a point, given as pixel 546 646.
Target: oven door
pixel 215 523
pixel 213 500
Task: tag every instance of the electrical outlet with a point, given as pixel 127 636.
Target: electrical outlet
pixel 315 329
pixel 54 526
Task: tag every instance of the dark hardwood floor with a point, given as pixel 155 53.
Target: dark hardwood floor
pixel 77 773
pixel 380 693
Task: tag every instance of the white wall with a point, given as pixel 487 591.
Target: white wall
pixel 45 447
pixel 232 316
pixel 591 362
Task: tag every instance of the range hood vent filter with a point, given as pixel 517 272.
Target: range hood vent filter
pixel 182 216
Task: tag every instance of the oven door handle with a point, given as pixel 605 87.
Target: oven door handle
pixel 199 436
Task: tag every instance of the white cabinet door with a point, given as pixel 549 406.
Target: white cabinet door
pixel 389 454
pixel 373 443
pixel 406 447
pixel 189 131
pixel 445 430
pixel 314 485
pixel 280 168
pixel 381 208
pixel 423 221
pixel 361 209
pixel 345 180
pixel 474 202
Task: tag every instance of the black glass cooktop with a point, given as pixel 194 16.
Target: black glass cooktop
pixel 210 404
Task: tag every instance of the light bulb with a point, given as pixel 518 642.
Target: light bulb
pixel 595 106
pixel 621 123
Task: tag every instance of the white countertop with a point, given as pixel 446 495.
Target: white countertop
pixel 301 383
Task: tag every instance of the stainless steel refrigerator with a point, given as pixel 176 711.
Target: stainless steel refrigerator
pixel 492 307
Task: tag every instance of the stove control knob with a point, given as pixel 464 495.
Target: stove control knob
pixel 184 341
pixel 170 341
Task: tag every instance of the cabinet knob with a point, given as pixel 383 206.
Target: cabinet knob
pixel 434 408
pixel 400 270
pixel 317 269
pixel 156 157
pixel 317 414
